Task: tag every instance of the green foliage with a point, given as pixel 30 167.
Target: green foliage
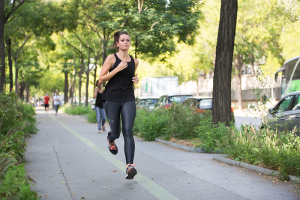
pixel 182 121
pixel 175 121
pixel 155 25
pixel 14 185
pixel 91 117
pixel 277 151
pixel 13 144
pixel 76 110
pixel 51 81
pixel 80 110
pixel 15 114
pixel 150 125
pixel 16 120
pixel 208 134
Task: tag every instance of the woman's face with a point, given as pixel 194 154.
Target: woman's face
pixel 124 42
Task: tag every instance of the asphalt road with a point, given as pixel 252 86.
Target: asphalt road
pixel 240 120
pixel 68 159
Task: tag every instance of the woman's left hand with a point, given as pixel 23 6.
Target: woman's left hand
pixel 135 79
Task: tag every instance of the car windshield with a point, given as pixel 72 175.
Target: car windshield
pixel 205 103
pixel 179 98
pixel 151 101
pixel 148 101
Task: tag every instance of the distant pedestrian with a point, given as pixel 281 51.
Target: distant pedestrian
pixel 119 97
pixel 56 102
pixel 100 113
pixel 46 103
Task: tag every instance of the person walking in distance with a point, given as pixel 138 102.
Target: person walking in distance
pixel 119 97
pixel 56 102
pixel 46 103
pixel 100 113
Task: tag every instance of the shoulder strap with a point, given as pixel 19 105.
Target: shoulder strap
pixel 113 66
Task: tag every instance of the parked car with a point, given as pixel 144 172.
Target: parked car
pixel 166 100
pixel 286 113
pixel 202 104
pixel 146 102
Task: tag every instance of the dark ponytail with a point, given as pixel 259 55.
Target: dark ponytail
pixel 116 38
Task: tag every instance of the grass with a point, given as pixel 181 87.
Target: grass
pixel 279 151
pixel 73 109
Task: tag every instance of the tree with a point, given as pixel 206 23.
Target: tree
pixel 223 64
pixel 154 25
pixel 104 19
pixel 4 16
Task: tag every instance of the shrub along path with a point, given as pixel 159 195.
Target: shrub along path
pixel 68 159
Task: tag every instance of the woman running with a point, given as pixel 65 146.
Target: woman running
pixel 119 98
pixel 100 113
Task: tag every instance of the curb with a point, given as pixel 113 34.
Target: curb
pixel 183 147
pixel 180 146
pixel 223 158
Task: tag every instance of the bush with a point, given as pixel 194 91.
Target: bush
pixel 14 114
pixel 73 109
pixel 173 122
pixel 14 185
pixel 76 110
pixel 182 122
pixel 277 151
pixel 150 125
pixel 16 120
pixel 91 116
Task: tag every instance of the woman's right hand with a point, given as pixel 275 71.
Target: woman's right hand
pixel 121 66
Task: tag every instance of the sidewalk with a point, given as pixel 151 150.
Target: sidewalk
pixel 68 159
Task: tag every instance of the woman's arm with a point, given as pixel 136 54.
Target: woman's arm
pixel 95 92
pixel 135 79
pixel 101 90
pixel 110 60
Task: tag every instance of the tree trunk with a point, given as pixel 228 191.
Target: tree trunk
pixel 72 83
pixel 2 58
pixel 74 88
pixel 71 89
pixel 66 87
pixel 22 88
pixel 104 45
pixel 16 77
pixel 95 74
pixel 2 55
pixel 223 64
pixel 11 83
pixel 87 80
pixel 27 92
pixel 79 87
pixel 80 81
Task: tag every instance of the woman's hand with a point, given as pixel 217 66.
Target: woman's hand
pixel 121 66
pixel 135 79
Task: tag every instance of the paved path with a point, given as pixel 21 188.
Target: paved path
pixel 68 159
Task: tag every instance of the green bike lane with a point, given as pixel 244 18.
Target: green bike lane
pixel 68 159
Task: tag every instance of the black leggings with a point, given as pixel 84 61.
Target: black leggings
pixel 128 111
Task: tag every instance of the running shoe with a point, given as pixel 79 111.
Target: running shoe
pixel 112 148
pixel 130 171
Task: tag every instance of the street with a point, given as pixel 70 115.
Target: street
pixel 68 159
